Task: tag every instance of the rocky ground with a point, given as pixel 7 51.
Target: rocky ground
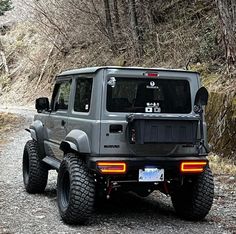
pixel 24 213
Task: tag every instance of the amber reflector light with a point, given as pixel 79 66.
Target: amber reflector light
pixel 192 167
pixel 112 167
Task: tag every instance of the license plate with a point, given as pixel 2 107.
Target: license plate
pixel 151 175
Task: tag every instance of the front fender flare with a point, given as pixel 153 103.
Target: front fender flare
pixel 36 130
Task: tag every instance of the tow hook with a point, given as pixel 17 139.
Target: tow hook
pixel 166 190
pixel 111 185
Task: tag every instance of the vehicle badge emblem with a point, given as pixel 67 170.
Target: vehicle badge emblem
pixel 152 83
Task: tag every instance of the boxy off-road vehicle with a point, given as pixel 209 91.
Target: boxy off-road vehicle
pixel 121 128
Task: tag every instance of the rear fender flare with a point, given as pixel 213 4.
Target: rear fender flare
pixel 32 133
pixel 76 141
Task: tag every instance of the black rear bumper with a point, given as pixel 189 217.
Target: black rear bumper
pixel 171 165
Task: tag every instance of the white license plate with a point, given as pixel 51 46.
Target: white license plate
pixel 151 175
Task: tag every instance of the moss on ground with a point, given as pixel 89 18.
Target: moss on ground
pixel 221 165
pixel 222 123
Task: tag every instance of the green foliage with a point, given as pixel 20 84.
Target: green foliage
pixel 209 48
pixel 208 77
pixel 5 83
pixel 5 5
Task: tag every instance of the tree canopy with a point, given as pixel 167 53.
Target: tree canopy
pixel 5 5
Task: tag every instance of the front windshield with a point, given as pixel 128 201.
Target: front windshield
pixel 144 95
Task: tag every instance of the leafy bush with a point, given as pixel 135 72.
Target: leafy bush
pixel 5 5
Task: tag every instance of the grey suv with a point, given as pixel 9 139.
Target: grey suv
pixel 121 128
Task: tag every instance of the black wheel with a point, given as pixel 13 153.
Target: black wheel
pixel 75 190
pixel 35 172
pixel 193 200
pixel 143 193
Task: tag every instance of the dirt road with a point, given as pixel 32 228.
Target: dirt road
pixel 24 213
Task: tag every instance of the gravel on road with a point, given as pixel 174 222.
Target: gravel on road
pixel 24 213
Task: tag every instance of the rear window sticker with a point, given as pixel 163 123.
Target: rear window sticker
pixel 112 82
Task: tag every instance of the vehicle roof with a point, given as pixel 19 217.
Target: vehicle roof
pixel 90 70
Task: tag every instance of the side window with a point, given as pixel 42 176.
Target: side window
pixel 83 94
pixel 62 94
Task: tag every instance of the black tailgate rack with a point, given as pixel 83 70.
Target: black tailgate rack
pixel 146 129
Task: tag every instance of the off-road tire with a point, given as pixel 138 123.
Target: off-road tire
pixel 35 172
pixel 193 200
pixel 142 193
pixel 75 190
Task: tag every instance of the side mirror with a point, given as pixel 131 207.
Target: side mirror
pixel 201 97
pixel 42 104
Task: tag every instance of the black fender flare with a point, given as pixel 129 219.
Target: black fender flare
pixel 76 141
pixel 36 131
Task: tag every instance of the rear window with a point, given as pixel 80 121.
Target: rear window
pixel 148 95
pixel 83 94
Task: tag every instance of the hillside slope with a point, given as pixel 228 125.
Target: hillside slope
pixel 185 35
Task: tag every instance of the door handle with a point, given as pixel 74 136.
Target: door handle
pixel 63 123
pixel 116 128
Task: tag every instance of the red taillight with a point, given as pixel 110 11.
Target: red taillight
pixel 152 74
pixel 112 167
pixel 192 167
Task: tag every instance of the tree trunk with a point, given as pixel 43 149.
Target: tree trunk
pixel 227 14
pixel 109 25
pixel 136 34
pixel 45 65
pixel 124 10
pixel 151 6
pixel 146 14
pixel 116 15
pixel 4 60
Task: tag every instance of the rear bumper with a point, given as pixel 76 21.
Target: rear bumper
pixel 171 165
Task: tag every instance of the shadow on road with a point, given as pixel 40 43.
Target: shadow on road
pixel 50 193
pixel 129 203
pixel 126 205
